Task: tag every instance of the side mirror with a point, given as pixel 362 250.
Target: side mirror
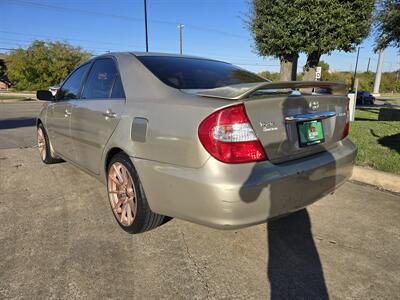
pixel 44 95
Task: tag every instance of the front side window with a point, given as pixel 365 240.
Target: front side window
pixel 196 73
pixel 72 86
pixel 100 80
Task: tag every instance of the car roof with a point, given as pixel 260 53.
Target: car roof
pixel 140 53
pixel 165 54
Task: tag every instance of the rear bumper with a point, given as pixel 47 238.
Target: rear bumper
pixel 232 196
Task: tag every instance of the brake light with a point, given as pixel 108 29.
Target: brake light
pixel 347 124
pixel 228 136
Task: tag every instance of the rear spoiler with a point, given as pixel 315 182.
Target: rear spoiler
pixel 242 91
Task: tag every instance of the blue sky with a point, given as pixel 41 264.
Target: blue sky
pixel 213 28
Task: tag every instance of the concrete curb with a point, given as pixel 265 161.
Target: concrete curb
pixel 383 180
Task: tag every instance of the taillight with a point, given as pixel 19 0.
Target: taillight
pixel 228 136
pixel 347 124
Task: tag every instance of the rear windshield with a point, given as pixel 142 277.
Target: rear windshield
pixel 195 73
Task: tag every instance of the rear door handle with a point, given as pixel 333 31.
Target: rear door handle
pixel 109 114
pixel 67 113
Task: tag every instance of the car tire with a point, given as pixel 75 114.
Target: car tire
pixel 127 198
pixel 44 146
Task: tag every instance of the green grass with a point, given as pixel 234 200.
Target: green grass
pixel 367 114
pixel 390 94
pixel 378 142
pixel 393 102
pixel 7 97
pixel 11 97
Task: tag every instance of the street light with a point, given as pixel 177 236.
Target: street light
pixel 180 26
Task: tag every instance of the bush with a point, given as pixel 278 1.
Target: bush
pixel 42 64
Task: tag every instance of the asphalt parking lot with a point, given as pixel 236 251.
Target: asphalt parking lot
pixel 59 239
pixel 17 120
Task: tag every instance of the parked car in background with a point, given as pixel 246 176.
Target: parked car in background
pixel 364 97
pixel 197 139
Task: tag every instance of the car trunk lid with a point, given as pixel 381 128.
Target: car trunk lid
pixel 283 119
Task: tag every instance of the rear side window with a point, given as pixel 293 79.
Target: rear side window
pixel 71 87
pixel 100 80
pixel 195 73
pixel 118 90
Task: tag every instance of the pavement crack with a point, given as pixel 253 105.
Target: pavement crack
pixel 333 242
pixel 196 266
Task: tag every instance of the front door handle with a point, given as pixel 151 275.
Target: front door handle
pixel 109 114
pixel 67 113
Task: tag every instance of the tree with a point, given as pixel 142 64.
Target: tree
pixel 274 26
pixel 388 25
pixel 324 70
pixel 270 75
pixel 285 28
pixel 3 68
pixel 42 64
pixel 334 25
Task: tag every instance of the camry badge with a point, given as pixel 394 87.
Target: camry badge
pixel 268 126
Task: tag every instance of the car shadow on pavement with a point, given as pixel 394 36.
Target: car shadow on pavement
pixel 17 123
pixel 294 267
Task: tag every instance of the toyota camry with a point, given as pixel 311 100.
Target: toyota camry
pixel 197 139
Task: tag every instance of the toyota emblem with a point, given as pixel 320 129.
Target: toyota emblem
pixel 314 105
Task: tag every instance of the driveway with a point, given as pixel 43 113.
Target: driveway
pixel 59 239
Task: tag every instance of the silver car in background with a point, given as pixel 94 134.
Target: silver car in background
pixel 197 139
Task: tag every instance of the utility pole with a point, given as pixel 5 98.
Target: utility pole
pixel 180 26
pixel 145 25
pixel 355 69
pixel 369 61
pixel 378 74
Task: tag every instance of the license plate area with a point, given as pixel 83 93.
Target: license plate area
pixel 310 133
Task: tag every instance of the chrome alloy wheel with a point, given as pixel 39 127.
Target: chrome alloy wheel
pixel 122 195
pixel 41 143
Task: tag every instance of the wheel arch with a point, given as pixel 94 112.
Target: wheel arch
pixel 110 154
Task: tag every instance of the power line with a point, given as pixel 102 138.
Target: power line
pixel 64 38
pixel 103 50
pixel 107 42
pixel 121 17
pixel 16 40
pixel 27 43
pixel 82 11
